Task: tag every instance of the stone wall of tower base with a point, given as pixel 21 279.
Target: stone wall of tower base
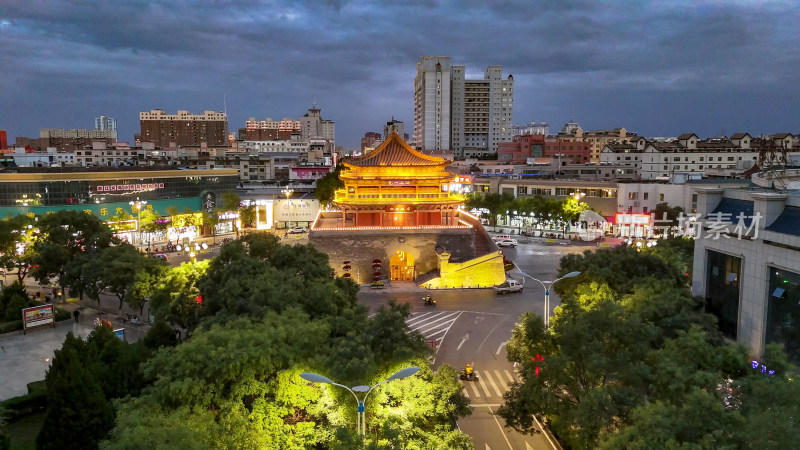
pixel 362 247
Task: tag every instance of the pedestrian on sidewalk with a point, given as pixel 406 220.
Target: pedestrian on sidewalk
pixel 75 315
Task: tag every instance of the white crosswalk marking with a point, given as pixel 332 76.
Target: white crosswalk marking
pixel 491 385
pixel 475 391
pixel 433 325
pixel 491 381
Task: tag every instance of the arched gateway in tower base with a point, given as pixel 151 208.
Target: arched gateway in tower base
pixel 399 218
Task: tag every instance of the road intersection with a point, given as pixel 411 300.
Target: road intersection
pixel 473 326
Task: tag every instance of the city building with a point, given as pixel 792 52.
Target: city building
pixel 183 128
pixel 598 139
pixel 270 130
pixel 3 141
pixel 314 126
pixel 601 196
pixel 109 192
pixel 395 126
pixel 567 151
pixel 432 103
pixel 370 140
pixel 481 112
pixel 105 123
pixel 73 139
pixel 399 217
pixel 718 156
pixel 451 112
pixel 532 128
pixel 747 264
pixel 521 149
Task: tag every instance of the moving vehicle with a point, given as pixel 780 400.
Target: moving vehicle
pixel 297 230
pixel 507 243
pixel 429 301
pixel 160 256
pixel 508 287
pixel 501 237
pixel 468 374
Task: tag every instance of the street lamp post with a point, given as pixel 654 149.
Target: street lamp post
pixel 361 409
pixel 137 205
pixel 546 285
pixel 288 193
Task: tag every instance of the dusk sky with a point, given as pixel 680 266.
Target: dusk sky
pixel 658 68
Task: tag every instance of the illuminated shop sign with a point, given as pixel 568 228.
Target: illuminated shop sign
pixel 398 182
pixel 462 180
pixel 632 219
pixel 228 216
pixel 128 187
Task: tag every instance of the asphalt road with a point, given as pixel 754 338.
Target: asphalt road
pixel 473 326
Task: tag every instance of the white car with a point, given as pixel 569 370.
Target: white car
pixel 501 237
pixel 297 230
pixel 507 243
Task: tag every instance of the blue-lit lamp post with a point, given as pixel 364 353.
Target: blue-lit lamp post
pixel 361 426
pixel 546 285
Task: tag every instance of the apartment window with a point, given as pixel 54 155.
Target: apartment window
pixel 701 158
pixel 676 158
pixel 644 196
pixel 661 197
pixel 730 158
pixel 666 167
pixel 633 195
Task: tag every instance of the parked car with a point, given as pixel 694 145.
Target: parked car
pixel 507 243
pixel 297 230
pixel 161 256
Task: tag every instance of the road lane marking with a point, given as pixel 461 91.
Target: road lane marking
pixel 544 432
pixel 432 325
pixel 474 389
pixel 430 335
pixel 491 381
pixel 419 317
pixel 489 334
pixel 502 344
pixel 484 387
pixel 501 428
pixel 463 340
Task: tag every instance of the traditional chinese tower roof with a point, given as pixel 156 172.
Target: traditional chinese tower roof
pixel 395 152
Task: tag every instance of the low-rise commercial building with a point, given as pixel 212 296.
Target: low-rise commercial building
pixel 747 265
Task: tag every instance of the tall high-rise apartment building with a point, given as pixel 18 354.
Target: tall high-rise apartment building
pixel 432 103
pixel 183 128
pixel 314 126
pixel 3 140
pixel 105 123
pixel 451 112
pixel 482 111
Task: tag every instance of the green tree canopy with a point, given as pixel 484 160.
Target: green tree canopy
pixel 327 186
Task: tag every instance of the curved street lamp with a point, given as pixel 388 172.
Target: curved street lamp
pixel 546 285
pixel 361 426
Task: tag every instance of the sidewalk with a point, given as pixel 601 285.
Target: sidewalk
pixel 26 358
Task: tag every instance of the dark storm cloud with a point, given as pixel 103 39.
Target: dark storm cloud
pixel 658 68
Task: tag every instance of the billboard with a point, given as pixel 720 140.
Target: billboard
pixel 300 210
pixel 632 219
pixel 38 316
